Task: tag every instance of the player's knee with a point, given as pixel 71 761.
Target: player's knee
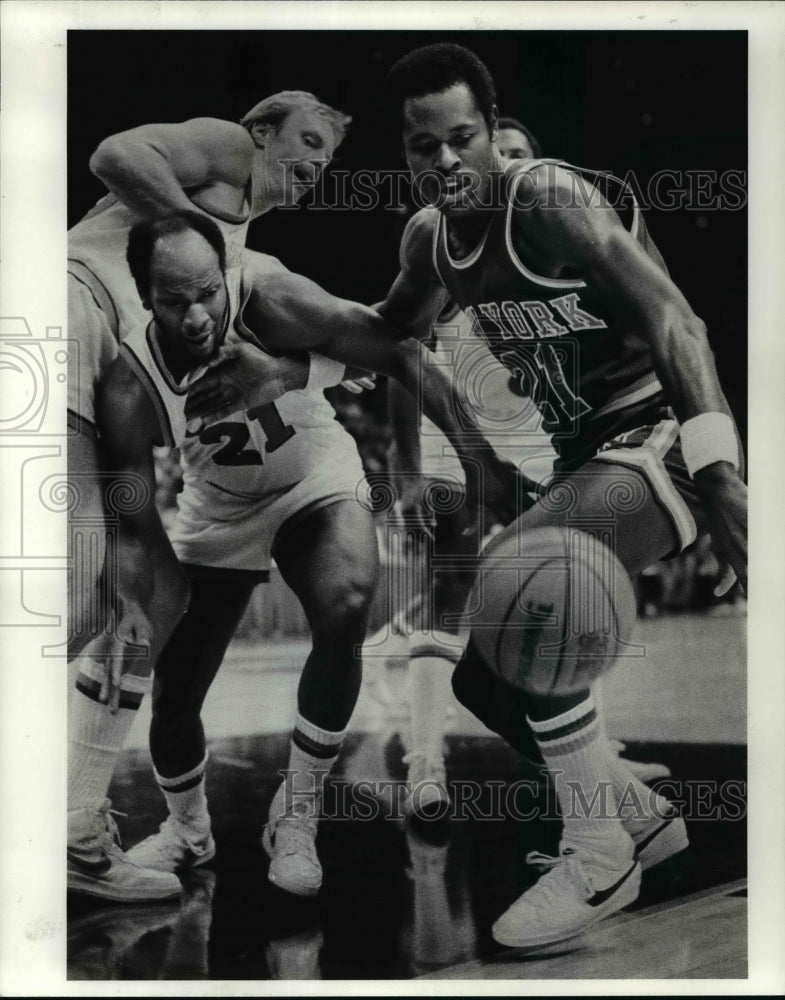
pixel 345 607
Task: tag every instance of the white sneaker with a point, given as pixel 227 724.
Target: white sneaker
pixel 169 850
pixel 659 840
pixel 426 781
pixel 98 867
pixel 579 890
pixel 289 840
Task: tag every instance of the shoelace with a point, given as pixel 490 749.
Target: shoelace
pixel 568 860
pixel 111 826
pixel 296 838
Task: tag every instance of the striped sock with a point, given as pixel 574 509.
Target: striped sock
pixel 185 796
pixel 312 753
pixel 95 736
pixel 573 748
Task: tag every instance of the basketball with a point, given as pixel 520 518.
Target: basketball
pixel 551 610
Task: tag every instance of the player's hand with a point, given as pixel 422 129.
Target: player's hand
pixel 126 641
pixel 724 498
pixel 413 506
pixel 358 385
pixel 243 376
pixel 502 488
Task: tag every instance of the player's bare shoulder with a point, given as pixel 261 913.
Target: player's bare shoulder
pixel 417 252
pixel 554 216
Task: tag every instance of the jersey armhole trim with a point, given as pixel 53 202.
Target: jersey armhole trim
pixel 537 279
pixel 472 258
pixel 136 366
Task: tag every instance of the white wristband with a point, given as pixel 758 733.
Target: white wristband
pixel 324 372
pixel 708 438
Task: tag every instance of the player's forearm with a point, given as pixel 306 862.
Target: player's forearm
pixel 404 418
pixel 411 308
pixel 442 404
pixel 136 564
pixel 685 365
pixel 140 177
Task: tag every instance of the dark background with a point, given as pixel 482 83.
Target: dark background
pixel 630 102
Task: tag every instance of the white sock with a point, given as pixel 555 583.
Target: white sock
pixel 185 796
pixel 312 753
pixel 432 659
pixel 95 736
pixel 573 748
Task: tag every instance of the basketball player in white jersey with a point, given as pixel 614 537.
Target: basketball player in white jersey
pixel 536 256
pixel 232 173
pixel 298 502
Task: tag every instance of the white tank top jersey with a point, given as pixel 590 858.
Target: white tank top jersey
pixel 509 422
pixel 247 455
pixel 96 255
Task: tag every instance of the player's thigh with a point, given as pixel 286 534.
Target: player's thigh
pixel 616 503
pixel 329 557
pixel 196 649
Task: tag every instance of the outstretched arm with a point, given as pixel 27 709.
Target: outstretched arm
pixel 151 168
pixel 288 312
pixel 588 237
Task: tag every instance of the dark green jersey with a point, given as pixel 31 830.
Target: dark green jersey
pixel 588 370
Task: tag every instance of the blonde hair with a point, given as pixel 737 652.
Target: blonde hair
pixel 274 110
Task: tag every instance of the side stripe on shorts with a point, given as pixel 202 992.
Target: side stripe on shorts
pixel 648 459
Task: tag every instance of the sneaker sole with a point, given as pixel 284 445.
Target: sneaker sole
pixel 662 843
pixel 627 893
pixel 192 862
pixel 87 885
pixel 296 888
pixel 427 806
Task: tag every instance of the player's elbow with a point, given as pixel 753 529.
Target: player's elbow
pixel 675 328
pixel 110 157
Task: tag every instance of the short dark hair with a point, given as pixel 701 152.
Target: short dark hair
pixel 433 69
pixel 507 122
pixel 145 234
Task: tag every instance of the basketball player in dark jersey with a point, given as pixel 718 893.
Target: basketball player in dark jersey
pixel 434 651
pixel 572 297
